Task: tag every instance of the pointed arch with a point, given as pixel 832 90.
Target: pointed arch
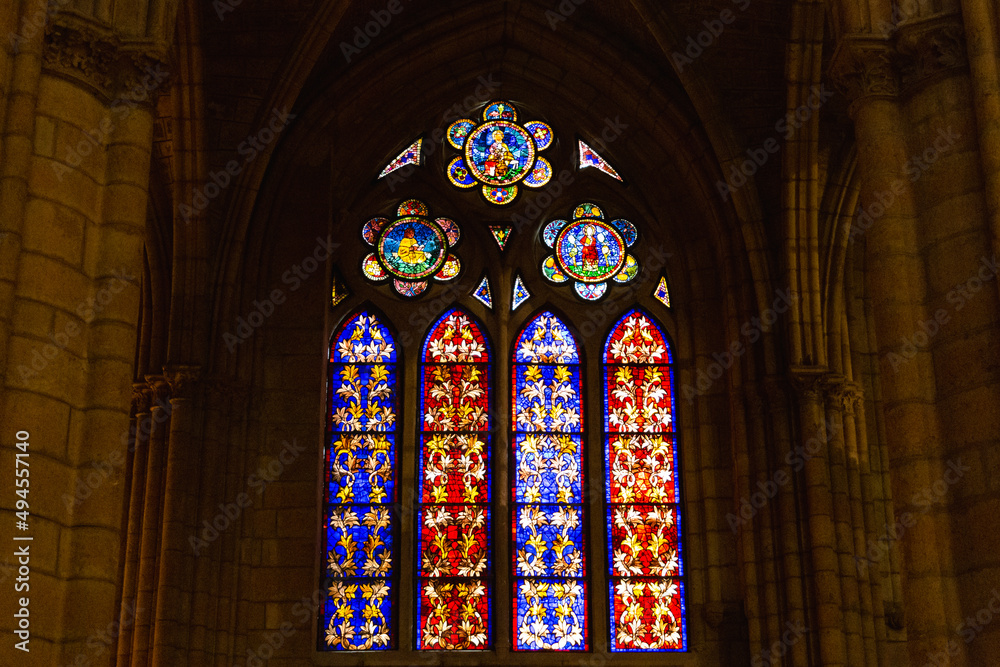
pixel 454 511
pixel 645 564
pixel 548 525
pixel 360 486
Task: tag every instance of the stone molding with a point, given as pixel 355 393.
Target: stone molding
pixel 142 398
pixel 184 380
pixel 931 48
pixel 864 68
pixel 159 390
pixel 103 63
pixel 869 66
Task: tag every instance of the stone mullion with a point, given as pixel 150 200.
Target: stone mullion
pixel 169 641
pixel 982 37
pixel 821 534
pixel 762 610
pixel 846 517
pixel 150 540
pixel 866 70
pixel 17 144
pixel 791 527
pixel 207 581
pixel 228 595
pixel 857 472
pixel 874 505
pixel 133 529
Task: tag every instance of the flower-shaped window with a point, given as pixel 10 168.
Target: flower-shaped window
pixel 498 153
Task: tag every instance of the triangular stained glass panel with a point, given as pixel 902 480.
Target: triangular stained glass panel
pixel 590 158
pixel 482 293
pixel 662 292
pixel 521 294
pixel 501 234
pixel 338 291
pixel 410 156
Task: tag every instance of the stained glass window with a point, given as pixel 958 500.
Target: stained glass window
pixel 547 518
pixel 483 294
pixel 590 251
pixel 410 155
pixel 662 292
pixel 360 487
pixel 412 249
pixel 453 476
pixel 497 153
pixel 521 294
pixel 646 591
pixel 590 158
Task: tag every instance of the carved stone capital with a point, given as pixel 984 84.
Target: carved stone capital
pixel 845 395
pixel 931 48
pixel 159 390
pixel 864 68
pixel 809 382
pixel 126 74
pixel 142 397
pixel 183 380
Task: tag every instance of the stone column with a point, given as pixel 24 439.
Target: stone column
pixel 73 203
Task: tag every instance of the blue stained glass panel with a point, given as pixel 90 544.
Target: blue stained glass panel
pixel 549 540
pixel 546 340
pixel 547 514
pixel 360 614
pixel 548 398
pixel 360 539
pixel 547 468
pixel 360 478
pixel 551 614
pixel 363 397
pixel 359 468
pixel 364 339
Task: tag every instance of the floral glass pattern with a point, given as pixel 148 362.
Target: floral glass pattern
pixel 360 487
pixel 646 590
pixel 453 475
pixel 547 518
